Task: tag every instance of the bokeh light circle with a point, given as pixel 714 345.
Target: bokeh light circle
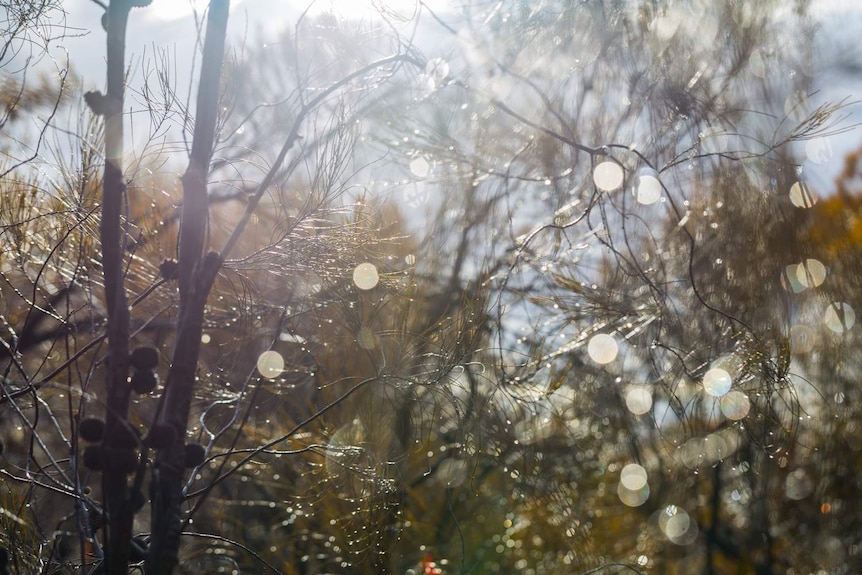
pixel 639 400
pixel 811 273
pixel 648 189
pixel 818 150
pixel 677 525
pixel 633 498
pixel 839 317
pixel 608 176
pixel 365 276
pixel 270 364
pixel 802 339
pixel 798 485
pixel 602 348
pixel 717 382
pixel 801 195
pixel 735 405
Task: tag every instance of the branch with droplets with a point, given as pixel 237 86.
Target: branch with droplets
pixel 293 136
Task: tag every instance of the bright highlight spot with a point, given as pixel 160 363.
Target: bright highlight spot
pixel 677 525
pixel 608 176
pixel 839 317
pixel 270 364
pixel 365 276
pixel 717 382
pixel 638 400
pixel 452 472
pixel 714 140
pixel 756 63
pixel 633 477
pixel 735 405
pixel 205 338
pixel 801 339
pixel 798 485
pixel 649 187
pixel 633 498
pixel 811 273
pixel 818 150
pixel 420 167
pixel 436 72
pixel 366 338
pixel 801 195
pixel 602 348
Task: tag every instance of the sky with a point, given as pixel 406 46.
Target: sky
pixel 169 26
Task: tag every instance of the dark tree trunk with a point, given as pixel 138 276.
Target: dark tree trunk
pixel 196 275
pixel 119 512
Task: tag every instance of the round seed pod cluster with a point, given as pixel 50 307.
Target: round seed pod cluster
pixel 91 429
pixel 115 453
pixel 144 378
pixel 195 454
pixel 161 435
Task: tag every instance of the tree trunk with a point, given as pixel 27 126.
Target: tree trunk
pixel 118 510
pixel 196 276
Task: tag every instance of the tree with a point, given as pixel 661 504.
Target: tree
pixel 118 451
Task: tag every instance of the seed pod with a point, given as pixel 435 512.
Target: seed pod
pixel 144 381
pixel 91 429
pixel 94 457
pixel 161 435
pixel 195 454
pixel 127 437
pixel 145 357
pixel 121 460
pixel 169 269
